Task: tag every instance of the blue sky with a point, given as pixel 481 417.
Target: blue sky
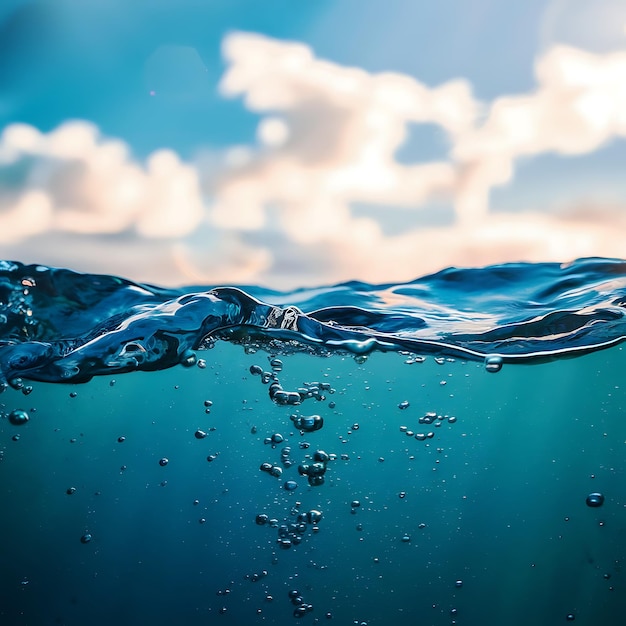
pixel 160 155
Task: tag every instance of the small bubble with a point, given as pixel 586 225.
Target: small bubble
pixel 276 365
pixel 200 434
pixel 595 500
pixel 290 485
pixel 70 490
pixel 406 538
pixel 458 584
pixel 86 538
pixel 201 364
pixel 163 462
pixel 403 405
pixel 188 358
pixel 121 439
pixel 493 363
pixel 570 617
pixel 18 417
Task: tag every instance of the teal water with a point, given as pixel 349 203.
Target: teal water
pixel 485 523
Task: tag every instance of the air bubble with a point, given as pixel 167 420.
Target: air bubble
pixel 493 363
pixel 595 500
pixel 18 417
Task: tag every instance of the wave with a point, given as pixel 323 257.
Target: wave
pixel 58 325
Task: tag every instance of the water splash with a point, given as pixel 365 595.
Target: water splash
pixel 61 326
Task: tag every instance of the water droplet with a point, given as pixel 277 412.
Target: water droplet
pixel 290 485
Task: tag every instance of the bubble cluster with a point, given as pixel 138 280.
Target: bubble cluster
pixel 315 471
pixel 291 532
pixel 428 419
pixel 302 608
pixel 280 396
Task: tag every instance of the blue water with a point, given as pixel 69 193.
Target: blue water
pixel 465 418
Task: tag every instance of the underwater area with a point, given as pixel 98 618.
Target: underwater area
pixel 444 452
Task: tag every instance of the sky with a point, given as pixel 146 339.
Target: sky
pixel 305 143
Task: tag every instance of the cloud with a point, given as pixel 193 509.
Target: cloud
pixel 283 209
pixel 330 139
pixel 578 106
pixel 84 184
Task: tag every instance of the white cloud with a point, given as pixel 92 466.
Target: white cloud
pixel 93 186
pixel 281 211
pixel 340 129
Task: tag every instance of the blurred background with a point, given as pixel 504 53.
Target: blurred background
pixel 304 143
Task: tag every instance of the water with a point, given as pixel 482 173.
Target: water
pixel 139 497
